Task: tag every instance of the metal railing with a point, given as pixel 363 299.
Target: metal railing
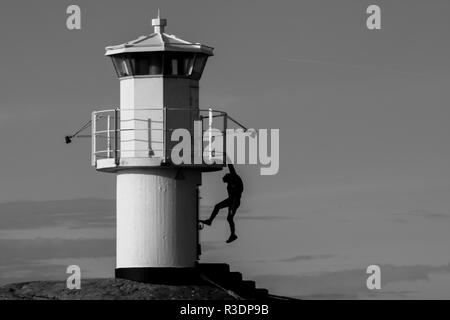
pixel 147 133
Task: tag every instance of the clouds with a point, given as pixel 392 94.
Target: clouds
pixel 35 259
pixel 351 284
pixel 13 251
pixel 31 271
pixel 55 269
pixel 77 213
pixel 411 216
pixel 38 240
pixel 307 257
pixel 420 213
pixel 244 214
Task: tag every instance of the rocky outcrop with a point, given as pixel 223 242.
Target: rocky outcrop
pixel 215 282
pixel 110 289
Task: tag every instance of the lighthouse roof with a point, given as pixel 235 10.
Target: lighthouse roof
pixel 158 41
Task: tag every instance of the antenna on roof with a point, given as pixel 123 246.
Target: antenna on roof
pixel 159 23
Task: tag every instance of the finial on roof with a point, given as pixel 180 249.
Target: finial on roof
pixel 159 23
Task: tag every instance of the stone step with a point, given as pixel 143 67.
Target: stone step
pixel 248 284
pixel 261 294
pixel 244 288
pixel 234 277
pixel 220 273
pixel 214 268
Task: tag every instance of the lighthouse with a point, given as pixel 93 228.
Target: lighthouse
pixel 157 200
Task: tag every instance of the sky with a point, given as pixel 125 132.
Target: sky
pixel 363 119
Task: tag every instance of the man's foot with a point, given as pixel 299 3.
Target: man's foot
pixel 232 238
pixel 207 222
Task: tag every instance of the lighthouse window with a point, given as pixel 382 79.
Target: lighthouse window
pixel 185 64
pixel 147 64
pixel 156 63
pixel 199 65
pixel 171 64
pixel 141 66
pixel 188 64
pixel 178 63
pixel 123 66
pixel 174 66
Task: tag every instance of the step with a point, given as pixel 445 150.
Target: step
pixel 214 268
pixel 261 294
pixel 220 273
pixel 243 288
pixel 248 284
pixel 228 280
pixel 233 277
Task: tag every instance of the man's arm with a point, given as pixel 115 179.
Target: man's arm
pixel 232 170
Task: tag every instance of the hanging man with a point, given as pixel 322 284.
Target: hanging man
pixel 235 187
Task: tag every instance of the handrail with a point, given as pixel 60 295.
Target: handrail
pixel 114 150
pixel 159 109
pixel 242 126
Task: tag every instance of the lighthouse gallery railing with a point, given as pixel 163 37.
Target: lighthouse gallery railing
pixel 146 133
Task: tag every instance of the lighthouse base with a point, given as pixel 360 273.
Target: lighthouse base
pixel 168 276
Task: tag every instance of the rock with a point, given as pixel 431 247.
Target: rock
pixel 109 289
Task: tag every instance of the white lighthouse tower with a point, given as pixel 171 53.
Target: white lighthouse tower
pixel 157 200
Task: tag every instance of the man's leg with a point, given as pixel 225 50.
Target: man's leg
pixel 235 203
pixel 224 204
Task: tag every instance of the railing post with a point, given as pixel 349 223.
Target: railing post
pixel 150 152
pixel 203 138
pixel 224 146
pixel 108 136
pixel 116 137
pixel 164 134
pixel 210 123
pixel 93 139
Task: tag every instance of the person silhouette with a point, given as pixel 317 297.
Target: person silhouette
pixel 235 188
